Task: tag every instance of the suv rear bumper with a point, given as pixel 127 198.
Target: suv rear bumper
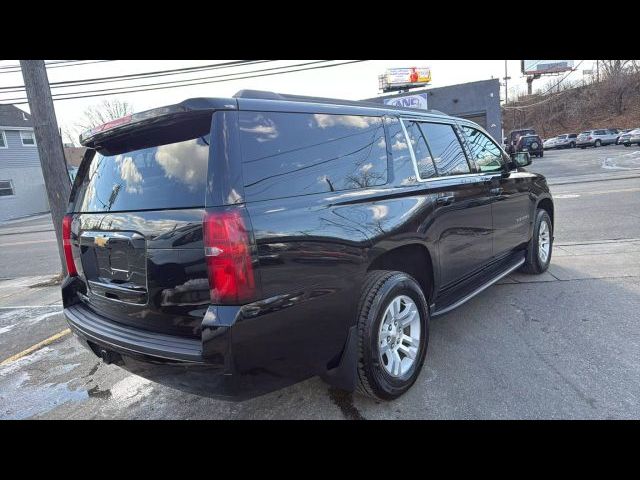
pixel 132 341
pixel 172 361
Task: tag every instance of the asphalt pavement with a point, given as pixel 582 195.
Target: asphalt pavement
pixel 564 344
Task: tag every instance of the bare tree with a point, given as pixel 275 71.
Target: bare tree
pixel 95 115
pixel 104 112
pixel 615 68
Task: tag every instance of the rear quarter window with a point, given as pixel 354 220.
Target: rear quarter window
pixel 290 154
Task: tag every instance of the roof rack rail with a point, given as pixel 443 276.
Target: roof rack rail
pixel 266 95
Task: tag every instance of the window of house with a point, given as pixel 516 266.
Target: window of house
pixel 28 139
pixel 3 139
pixel 6 188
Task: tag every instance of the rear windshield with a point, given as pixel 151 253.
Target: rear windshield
pixel 171 175
pixel 529 140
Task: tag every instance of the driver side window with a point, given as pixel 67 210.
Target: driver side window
pixel 484 151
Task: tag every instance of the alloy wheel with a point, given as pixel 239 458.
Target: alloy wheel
pixel 399 336
pixel 544 241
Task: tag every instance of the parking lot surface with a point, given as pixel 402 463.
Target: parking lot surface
pixel 565 344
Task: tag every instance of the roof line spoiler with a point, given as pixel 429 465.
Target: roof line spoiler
pixel 189 107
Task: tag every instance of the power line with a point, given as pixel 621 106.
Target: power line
pixel 58 97
pixel 133 76
pixel 52 62
pixel 49 65
pixel 125 89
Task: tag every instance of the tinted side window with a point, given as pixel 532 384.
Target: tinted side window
pixel 426 168
pixel 289 154
pixel 446 149
pixel 486 154
pixel 402 164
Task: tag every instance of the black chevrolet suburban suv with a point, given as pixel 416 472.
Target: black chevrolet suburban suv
pixel 233 246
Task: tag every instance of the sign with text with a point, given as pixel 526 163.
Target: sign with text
pixel 409 101
pixel 408 76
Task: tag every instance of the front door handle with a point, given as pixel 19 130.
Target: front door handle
pixel 447 200
pixel 496 191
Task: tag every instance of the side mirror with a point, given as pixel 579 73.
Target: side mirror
pixel 521 159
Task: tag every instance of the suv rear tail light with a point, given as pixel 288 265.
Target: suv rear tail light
pixel 228 254
pixel 66 244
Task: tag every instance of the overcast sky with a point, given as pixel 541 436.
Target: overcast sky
pixel 355 81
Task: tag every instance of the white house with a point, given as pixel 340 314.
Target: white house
pixel 22 190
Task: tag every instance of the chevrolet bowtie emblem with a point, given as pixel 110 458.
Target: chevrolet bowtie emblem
pixel 100 241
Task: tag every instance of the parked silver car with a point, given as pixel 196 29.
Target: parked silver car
pixel 566 140
pixel 596 138
pixel 634 137
pixel 624 136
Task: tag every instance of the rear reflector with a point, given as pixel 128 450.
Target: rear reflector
pixel 228 254
pixel 66 243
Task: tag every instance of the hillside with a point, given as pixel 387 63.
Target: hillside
pixel 611 103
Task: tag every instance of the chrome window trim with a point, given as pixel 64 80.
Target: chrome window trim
pixel 438 178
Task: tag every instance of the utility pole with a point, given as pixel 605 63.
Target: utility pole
pixel 49 142
pixel 506 85
pixel 597 70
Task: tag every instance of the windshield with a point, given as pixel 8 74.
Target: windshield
pixel 562 137
pixel 157 177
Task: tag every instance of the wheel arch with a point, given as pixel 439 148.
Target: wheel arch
pixel 546 204
pixel 412 258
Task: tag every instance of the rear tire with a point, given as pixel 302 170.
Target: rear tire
pixel 385 367
pixel 541 154
pixel 572 145
pixel 538 253
pixel 597 144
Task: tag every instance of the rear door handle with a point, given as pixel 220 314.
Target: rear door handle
pixel 447 200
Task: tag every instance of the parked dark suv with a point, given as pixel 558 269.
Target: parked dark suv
pixel 532 144
pixel 514 136
pixel 233 246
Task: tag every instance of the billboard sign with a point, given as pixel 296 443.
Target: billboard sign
pixel 531 67
pixel 396 77
pixel 409 101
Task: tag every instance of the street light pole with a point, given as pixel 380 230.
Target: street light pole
pixel 49 142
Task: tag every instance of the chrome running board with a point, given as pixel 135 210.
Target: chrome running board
pixel 479 289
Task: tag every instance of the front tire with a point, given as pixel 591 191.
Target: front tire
pixel 538 254
pixel 597 144
pixel 393 334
